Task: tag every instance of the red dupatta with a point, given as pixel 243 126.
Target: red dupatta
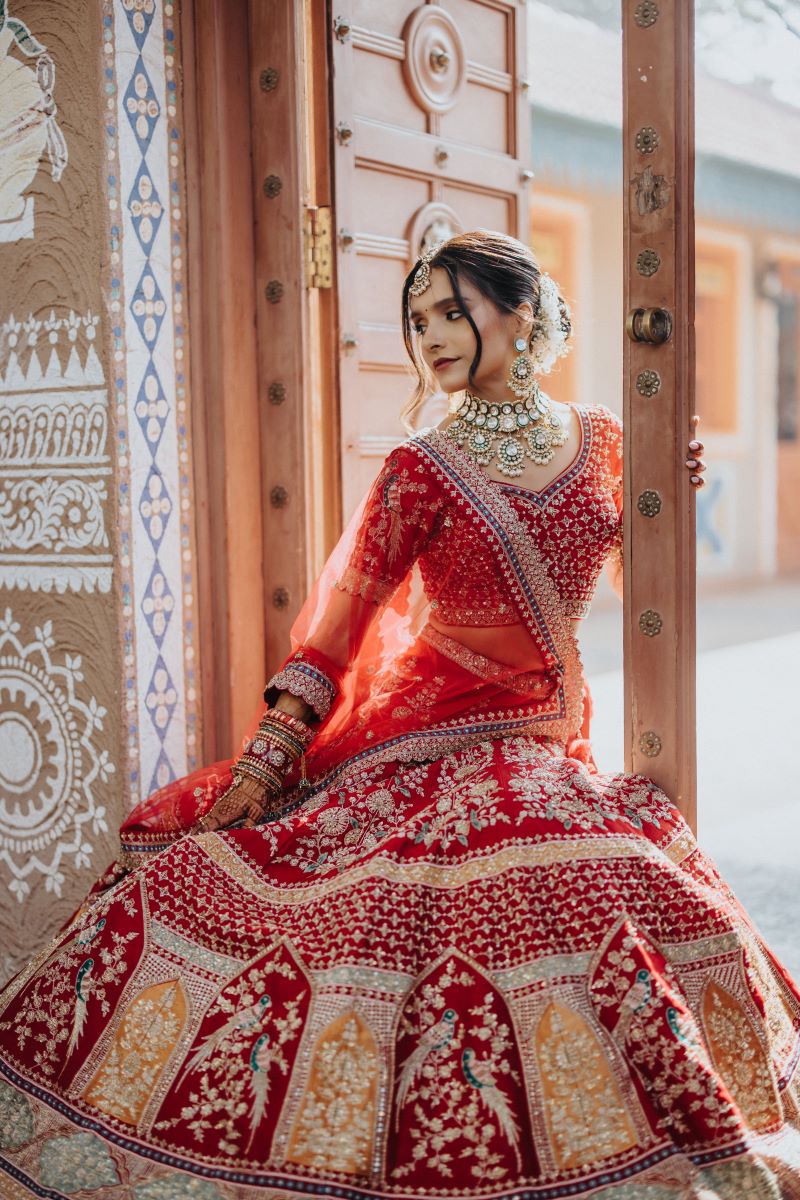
pixel 385 685
pixel 482 696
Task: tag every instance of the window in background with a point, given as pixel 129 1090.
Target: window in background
pixel 718 290
pixel 788 424
pixel 789 351
pixel 553 241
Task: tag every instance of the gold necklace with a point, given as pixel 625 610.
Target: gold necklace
pixel 513 431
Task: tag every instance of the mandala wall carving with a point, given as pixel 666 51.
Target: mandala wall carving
pixel 52 759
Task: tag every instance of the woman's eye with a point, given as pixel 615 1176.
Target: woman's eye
pixel 453 312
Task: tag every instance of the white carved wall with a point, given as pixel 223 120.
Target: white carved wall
pixel 98 696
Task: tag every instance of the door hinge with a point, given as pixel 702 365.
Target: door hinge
pixel 318 246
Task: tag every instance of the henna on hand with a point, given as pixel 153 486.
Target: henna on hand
pixel 238 802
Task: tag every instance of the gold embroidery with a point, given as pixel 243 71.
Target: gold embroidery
pixel 739 1057
pixel 132 1065
pixel 15 1191
pixel 356 583
pixel 457 1086
pixel 226 1105
pixel 544 614
pixel 431 874
pixel 681 846
pixel 526 682
pixel 335 1127
pixel 584 1111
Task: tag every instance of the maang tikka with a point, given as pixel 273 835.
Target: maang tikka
pixel 511 431
pixel 422 276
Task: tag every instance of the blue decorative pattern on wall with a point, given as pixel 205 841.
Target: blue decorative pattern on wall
pixel 145 189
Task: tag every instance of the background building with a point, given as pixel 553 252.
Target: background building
pixel 747 275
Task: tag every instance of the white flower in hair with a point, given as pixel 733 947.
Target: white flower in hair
pixel 549 341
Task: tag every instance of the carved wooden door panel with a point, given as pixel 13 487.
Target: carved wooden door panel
pixel 658 169
pixel 430 136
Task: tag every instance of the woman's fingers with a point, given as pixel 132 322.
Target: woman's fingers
pixel 694 461
pixel 254 815
pixel 214 819
pixel 233 806
pixel 228 808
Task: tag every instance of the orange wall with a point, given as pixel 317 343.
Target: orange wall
pixel 554 242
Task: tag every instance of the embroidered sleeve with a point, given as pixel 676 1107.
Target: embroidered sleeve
pixel 397 521
pixel 311 676
pixel 615 480
pixel 397 524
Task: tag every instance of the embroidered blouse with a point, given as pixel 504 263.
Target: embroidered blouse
pixel 576 522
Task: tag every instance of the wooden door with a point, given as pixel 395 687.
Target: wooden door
pixel 430 136
pixel 295 310
pixel 658 169
pixel 228 636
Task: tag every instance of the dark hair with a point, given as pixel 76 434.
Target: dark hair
pixel 503 269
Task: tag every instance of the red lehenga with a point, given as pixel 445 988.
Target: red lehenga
pixel 462 962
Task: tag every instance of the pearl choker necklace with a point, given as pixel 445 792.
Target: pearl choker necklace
pixel 513 431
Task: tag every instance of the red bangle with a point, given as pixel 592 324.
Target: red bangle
pixel 298 726
pixel 279 740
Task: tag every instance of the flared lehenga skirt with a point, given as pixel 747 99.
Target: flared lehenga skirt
pixel 494 974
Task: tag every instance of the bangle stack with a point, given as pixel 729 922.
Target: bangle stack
pixel 278 741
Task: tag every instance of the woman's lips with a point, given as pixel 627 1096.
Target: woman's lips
pixel 441 363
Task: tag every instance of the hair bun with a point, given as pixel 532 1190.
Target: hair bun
pixel 549 340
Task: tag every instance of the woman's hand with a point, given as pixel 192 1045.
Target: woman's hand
pixel 295 707
pixel 247 799
pixel 694 462
pixel 245 802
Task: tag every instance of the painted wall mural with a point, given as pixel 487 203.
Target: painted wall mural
pixel 29 125
pixel 98 701
pixel 54 456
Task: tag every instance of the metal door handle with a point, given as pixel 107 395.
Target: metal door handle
pixel 653 325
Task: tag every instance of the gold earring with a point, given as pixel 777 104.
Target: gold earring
pixel 520 376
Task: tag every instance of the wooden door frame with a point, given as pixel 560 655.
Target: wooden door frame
pixel 254 563
pixel 436 160
pixel 295 322
pixel 659 533
pixel 263 352
pixel 224 394
pixel 323 465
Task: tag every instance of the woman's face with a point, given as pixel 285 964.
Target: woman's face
pixel 447 343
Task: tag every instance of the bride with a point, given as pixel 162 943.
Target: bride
pixel 411 942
